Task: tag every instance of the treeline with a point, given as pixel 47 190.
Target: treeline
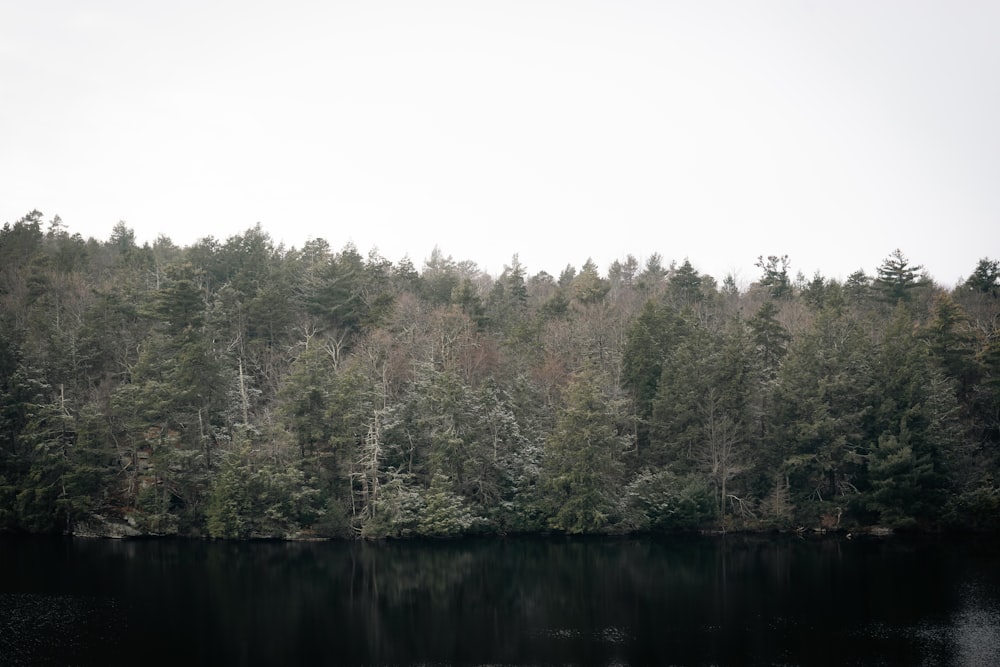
pixel 242 389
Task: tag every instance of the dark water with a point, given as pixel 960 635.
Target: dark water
pixel 683 601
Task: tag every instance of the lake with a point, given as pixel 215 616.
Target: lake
pixel 734 600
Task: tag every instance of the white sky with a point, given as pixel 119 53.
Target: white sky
pixel 833 131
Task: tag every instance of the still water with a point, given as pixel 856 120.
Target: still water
pixel 515 601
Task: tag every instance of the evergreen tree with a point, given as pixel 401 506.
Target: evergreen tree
pixel 701 409
pixel 246 389
pixel 985 279
pixel 816 435
pixel 775 275
pixel 581 471
pixel 588 286
pixel 770 339
pixel 951 343
pixel 653 275
pixel 684 286
pixel 654 333
pixel 897 278
pixel 858 287
pixel 912 429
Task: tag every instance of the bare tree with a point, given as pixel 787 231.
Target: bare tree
pixel 721 453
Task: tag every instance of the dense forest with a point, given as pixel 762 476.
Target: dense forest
pixel 243 389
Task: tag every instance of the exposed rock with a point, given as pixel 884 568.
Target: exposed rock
pixel 98 526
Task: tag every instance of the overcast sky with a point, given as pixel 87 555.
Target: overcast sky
pixel 833 132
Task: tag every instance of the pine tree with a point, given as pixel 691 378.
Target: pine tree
pixel 581 472
pixel 897 278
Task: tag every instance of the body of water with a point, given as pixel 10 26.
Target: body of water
pixel 518 601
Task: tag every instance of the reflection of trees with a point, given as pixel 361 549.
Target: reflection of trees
pixel 688 600
pixel 397 575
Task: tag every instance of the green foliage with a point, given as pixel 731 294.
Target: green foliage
pixel 951 342
pixel 653 274
pixel 183 479
pixel 913 422
pixel 397 510
pixel 508 300
pixel 770 339
pixel 684 286
pixel 858 287
pixel 581 471
pixel 439 278
pixel 239 388
pixel 662 500
pixel 154 511
pixel 251 498
pixel 817 436
pixel 623 274
pixel 179 308
pixel 588 286
pixel 902 483
pixel 18 244
pixel 701 363
pixel 335 292
pixel 652 337
pixel 816 292
pixel 468 300
pixel 306 397
pixel 774 275
pixel 986 278
pixel 897 278
pixel 702 408
pixel 976 509
pixel 445 513
pixel 54 477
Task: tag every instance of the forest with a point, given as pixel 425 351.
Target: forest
pixel 242 389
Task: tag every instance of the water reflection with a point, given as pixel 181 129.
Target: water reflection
pixel 688 601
